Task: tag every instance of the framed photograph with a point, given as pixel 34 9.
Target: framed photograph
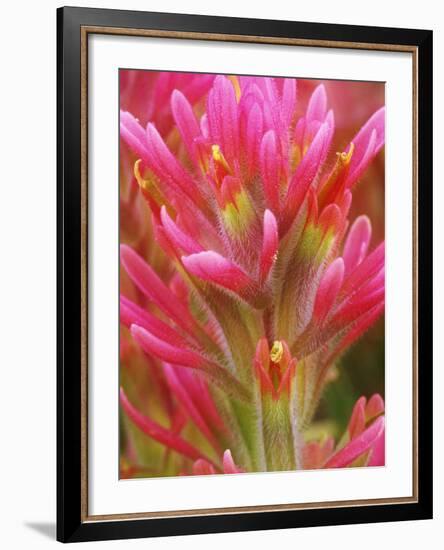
pixel 244 274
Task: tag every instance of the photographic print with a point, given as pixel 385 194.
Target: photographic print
pixel 251 274
pixel 244 274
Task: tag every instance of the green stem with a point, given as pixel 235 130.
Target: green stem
pixel 278 434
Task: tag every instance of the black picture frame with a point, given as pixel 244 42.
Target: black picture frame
pixel 71 523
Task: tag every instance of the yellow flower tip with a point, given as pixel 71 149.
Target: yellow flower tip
pixel 217 155
pixel 344 157
pixel 277 351
pixel 235 81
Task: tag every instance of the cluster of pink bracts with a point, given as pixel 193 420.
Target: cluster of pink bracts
pixel 262 284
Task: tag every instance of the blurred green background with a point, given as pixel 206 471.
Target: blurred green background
pixel 361 371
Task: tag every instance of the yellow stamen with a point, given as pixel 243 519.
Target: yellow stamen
pixel 295 157
pixel 277 351
pixel 219 157
pixel 140 180
pixel 342 162
pixel 148 184
pixel 344 157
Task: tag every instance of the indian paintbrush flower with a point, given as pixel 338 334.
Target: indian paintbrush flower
pixel 266 283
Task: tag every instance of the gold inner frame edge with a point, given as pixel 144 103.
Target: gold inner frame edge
pixel 84 33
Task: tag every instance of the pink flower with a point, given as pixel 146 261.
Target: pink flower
pixel 266 285
pixel 147 94
pixel 363 444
